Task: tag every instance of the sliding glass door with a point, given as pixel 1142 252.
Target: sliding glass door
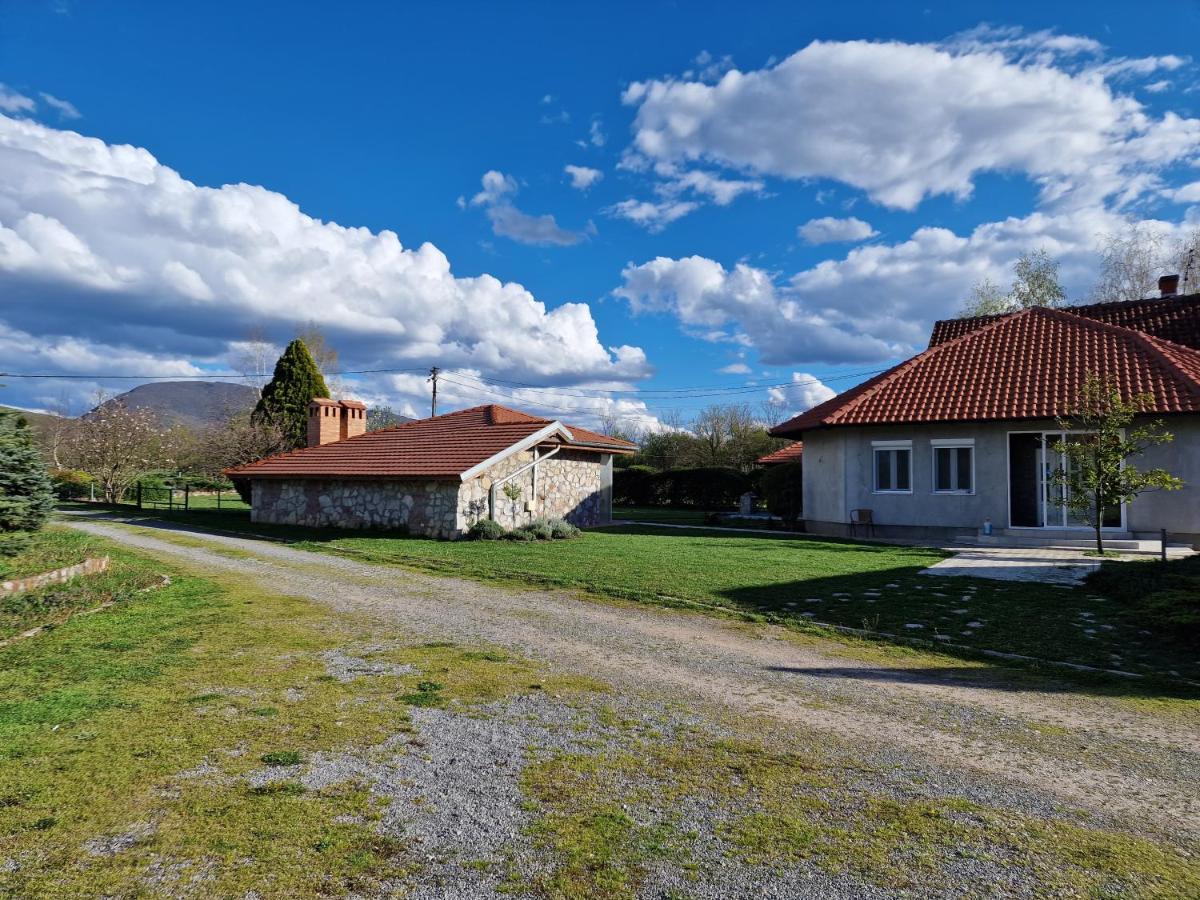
pixel 1035 501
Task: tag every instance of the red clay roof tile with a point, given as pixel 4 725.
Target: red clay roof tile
pixel 441 447
pixel 1027 365
pixel 1175 319
pixel 790 453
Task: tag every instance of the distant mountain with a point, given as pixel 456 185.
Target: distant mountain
pixel 193 403
pixel 36 420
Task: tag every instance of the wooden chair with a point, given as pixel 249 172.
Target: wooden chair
pixel 862 518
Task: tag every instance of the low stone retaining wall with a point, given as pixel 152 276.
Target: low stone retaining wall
pixel 58 576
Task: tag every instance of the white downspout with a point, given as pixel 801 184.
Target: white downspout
pixel 509 477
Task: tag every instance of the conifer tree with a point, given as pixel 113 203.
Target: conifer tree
pixel 26 494
pixel 284 401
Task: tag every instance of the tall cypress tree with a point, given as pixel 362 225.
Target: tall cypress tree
pixel 26 494
pixel 284 401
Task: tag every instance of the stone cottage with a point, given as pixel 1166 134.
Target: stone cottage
pixel 435 476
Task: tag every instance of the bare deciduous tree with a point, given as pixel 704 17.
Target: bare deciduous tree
pixel 256 358
pixel 324 355
pixel 1130 263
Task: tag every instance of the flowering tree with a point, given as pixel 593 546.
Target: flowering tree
pixel 117 445
pixel 1099 474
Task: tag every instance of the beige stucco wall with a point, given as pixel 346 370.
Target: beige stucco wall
pixel 838 477
pixel 573 485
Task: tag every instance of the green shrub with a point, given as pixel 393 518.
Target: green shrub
pixel 71 483
pixel 783 488
pixel 520 535
pixel 563 531
pixel 486 530
pixel 540 530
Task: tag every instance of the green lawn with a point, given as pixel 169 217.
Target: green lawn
pixel 661 514
pixel 796 580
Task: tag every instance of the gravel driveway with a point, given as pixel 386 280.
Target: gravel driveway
pixel 1039 746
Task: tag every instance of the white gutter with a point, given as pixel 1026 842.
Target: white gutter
pixel 521 471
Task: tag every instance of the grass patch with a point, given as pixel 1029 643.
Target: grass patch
pixel 47 550
pixel 662 514
pixel 151 714
pixel 53 604
pixel 609 817
pixel 282 758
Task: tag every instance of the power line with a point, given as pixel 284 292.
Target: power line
pixel 668 393
pixel 207 376
pixel 516 390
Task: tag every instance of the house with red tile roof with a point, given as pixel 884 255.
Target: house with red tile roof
pixel 963 433
pixel 435 476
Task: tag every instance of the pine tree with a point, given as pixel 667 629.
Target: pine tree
pixel 284 401
pixel 26 494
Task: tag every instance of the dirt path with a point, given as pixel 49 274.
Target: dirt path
pixel 1096 754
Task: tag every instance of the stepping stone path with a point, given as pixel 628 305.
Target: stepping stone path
pixel 974 624
pixel 960 612
pixel 914 626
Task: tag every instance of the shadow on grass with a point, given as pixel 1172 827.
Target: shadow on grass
pixel 1050 623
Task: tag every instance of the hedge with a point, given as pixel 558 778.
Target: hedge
pixel 783 488
pixel 702 488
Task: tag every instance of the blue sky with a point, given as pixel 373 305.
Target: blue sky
pixel 934 142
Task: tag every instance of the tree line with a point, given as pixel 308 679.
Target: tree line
pixel 114 446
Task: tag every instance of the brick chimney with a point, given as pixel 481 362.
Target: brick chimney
pixel 1168 285
pixel 324 421
pixel 353 419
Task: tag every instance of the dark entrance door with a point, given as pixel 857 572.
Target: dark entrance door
pixel 1025 480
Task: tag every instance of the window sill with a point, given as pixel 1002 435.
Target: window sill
pixel 890 492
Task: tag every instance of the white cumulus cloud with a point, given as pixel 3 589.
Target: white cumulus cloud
pixel 903 122
pixel 805 392
pixel 106 255
pixel 828 230
pixel 877 302
pixel 510 222
pixel 582 177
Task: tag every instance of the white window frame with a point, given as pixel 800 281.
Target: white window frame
pixel 936 444
pixel 876 447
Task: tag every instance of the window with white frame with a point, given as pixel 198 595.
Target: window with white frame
pixel 953 467
pixel 893 467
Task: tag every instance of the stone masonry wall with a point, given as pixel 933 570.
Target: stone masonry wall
pixel 424 507
pixel 569 486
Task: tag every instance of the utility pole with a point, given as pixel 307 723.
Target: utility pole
pixel 433 375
